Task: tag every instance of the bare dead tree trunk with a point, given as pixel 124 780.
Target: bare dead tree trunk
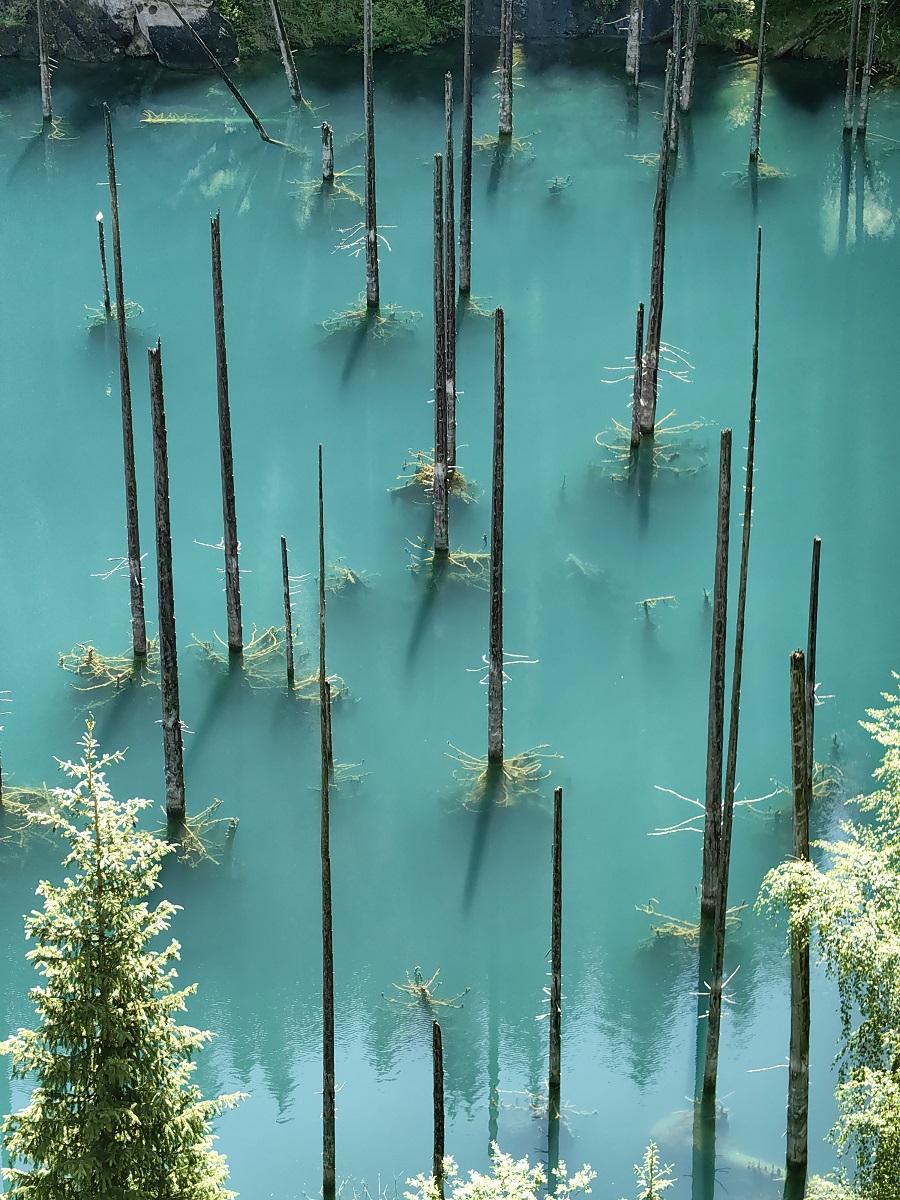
pixel 506 57
pixel 437 1066
pixel 138 624
pixel 556 962
pixel 649 382
pixel 711 1066
pixel 220 71
pixel 327 153
pixel 760 79
pixel 173 754
pixel 288 617
pixel 328 1123
pixel 811 638
pixel 867 70
pixel 715 736
pixel 633 44
pixel 465 182
pixel 226 456
pixel 690 56
pixel 106 301
pixel 495 649
pixel 449 280
pixel 287 57
pixel 372 286
pixel 852 68
pixel 46 101
pixel 440 474
pixel 798 1063
pixel 638 373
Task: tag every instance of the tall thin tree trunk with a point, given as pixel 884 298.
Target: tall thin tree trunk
pixel 711 1067
pixel 638 374
pixel 138 625
pixel 46 101
pixel 649 382
pixel 677 49
pixel 852 68
pixel 372 286
pixel 715 736
pixel 226 456
pixel 495 650
pixel 287 58
pixel 465 181
pixel 798 1064
pixel 758 94
pixel 173 754
pixel 440 481
pixel 867 70
pixel 556 961
pixel 437 1075
pixel 449 279
pixel 106 301
pixel 690 56
pixel 811 639
pixel 633 44
pixel 506 56
pixel 328 1130
pixel 327 153
pixel 288 617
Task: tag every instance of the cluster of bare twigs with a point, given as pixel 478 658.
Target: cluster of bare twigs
pixel 201 838
pixel 687 931
pixel 418 474
pixel 381 323
pixel 111 670
pixel 422 992
pixel 461 566
pixel 502 783
pixel 98 317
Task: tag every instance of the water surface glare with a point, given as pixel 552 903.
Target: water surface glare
pixel 617 692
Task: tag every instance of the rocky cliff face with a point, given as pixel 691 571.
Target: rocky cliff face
pixel 104 30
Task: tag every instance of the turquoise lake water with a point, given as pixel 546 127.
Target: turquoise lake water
pixel 620 695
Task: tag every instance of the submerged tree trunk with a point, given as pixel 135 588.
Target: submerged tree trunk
pixel 449 280
pixel 798 1065
pixel 495 649
pixel 287 58
pixel 633 44
pixel 440 480
pixel 852 67
pixel 136 584
pixel 758 94
pixel 372 286
pixel 711 1066
pixel 690 55
pixel 715 735
pixel 226 456
pixel 173 753
pixel 465 181
pixel 867 71
pixel 657 267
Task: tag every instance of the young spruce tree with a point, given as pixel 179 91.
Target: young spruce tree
pixel 113 1115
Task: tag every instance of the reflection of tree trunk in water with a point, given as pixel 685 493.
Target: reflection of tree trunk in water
pixel 859 193
pixel 846 173
pixel 493 1062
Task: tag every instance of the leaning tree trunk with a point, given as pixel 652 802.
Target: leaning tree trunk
pixel 372 288
pixel 287 58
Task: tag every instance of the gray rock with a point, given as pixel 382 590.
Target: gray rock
pixel 173 45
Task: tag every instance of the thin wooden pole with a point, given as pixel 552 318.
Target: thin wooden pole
pixel 715 737
pixel 556 961
pixel 658 265
pixel 327 153
pixel 46 100
pixel 852 68
pixel 138 625
pixel 287 57
pixel 633 44
pixel 288 616
pixel 638 375
pixel 226 456
pixel 173 753
pixel 465 181
pixel 220 70
pixel 495 651
pixel 760 78
pixel 811 638
pixel 328 1130
pixel 867 71
pixel 372 285
pixel 677 45
pixel 798 1063
pixel 106 301
pixel 717 972
pixel 506 54
pixel 449 279
pixel 440 476
pixel 437 1064
pixel 690 55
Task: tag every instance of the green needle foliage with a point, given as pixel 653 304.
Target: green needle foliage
pixel 852 903
pixel 113 1115
pixel 509 1179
